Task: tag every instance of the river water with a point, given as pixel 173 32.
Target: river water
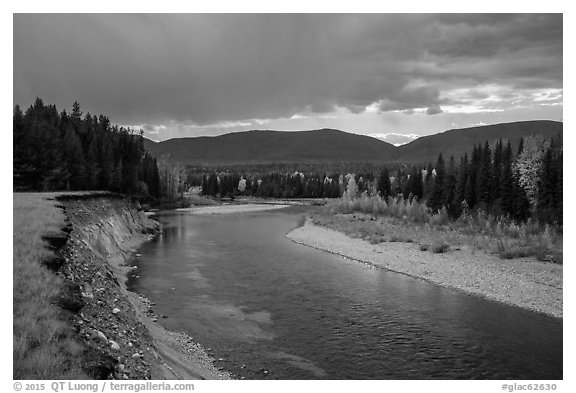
pixel 269 308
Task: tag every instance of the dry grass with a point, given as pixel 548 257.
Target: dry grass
pixel 376 221
pixel 43 341
pixel 199 200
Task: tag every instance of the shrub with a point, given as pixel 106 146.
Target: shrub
pixel 440 248
pixel 498 234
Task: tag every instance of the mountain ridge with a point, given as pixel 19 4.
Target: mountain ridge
pixel 325 145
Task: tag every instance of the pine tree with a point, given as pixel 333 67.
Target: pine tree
pixel 92 167
pixel 416 183
pixel 549 200
pixel 496 173
pixel 449 193
pixel 460 195
pixel 428 181
pixel 76 164
pixel 470 188
pixel 384 185
pixel 521 202
pixel 507 183
pixel 437 197
pixel 484 178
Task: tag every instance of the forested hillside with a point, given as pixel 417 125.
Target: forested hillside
pixel 330 148
pixel 274 147
pixel 457 142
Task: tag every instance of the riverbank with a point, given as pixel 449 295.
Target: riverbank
pixel 114 332
pixel 523 282
pixel 233 208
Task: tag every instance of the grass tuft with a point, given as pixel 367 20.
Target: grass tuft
pixel 440 248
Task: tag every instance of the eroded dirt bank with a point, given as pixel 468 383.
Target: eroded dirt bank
pixel 120 328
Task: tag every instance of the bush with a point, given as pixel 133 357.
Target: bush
pixel 406 209
pixel 440 248
pixel 498 234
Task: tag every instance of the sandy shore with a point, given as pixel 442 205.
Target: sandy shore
pixel 525 282
pixel 227 209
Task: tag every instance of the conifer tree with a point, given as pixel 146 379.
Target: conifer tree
pixel 384 185
pixel 437 196
pixel 460 194
pixel 507 183
pixel 484 178
pixel 449 193
pixel 549 201
pixel 496 172
pixel 76 165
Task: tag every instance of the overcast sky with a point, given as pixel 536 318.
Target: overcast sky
pixel 190 75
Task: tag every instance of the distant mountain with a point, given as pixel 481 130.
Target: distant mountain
pixel 273 147
pixel 395 139
pixel 328 145
pixel 456 142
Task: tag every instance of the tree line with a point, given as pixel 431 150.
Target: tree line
pixel 522 184
pixel 493 178
pixel 272 185
pixel 56 151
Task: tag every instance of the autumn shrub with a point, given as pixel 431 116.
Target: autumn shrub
pixel 497 234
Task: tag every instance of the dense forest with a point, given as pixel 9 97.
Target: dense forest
pixel 56 151
pixel 522 184
pixel 493 178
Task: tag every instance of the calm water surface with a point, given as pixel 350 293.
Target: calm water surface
pixel 237 285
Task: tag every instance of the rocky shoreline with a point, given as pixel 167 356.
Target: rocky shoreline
pixel 119 328
pixel 525 282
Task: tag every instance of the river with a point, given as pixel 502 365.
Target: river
pixel 269 308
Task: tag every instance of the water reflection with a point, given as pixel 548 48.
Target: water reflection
pixel 238 285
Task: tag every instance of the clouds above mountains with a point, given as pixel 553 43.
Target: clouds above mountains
pixel 200 70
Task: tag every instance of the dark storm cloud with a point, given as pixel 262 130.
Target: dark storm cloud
pixel 210 68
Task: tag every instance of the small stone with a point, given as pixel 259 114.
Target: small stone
pixel 115 310
pixel 102 336
pixel 114 345
pixel 136 356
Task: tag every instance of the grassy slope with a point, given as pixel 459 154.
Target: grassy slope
pixel 44 346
